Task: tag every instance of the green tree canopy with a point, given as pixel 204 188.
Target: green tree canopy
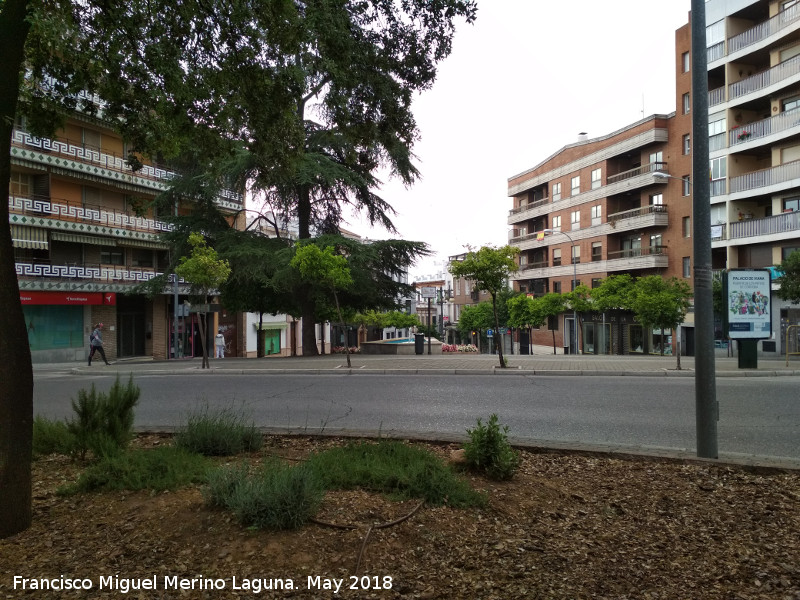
pixel 790 278
pixel 489 268
pixel 660 303
pixel 205 272
pixel 614 292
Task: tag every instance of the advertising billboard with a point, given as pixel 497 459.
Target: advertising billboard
pixel 748 298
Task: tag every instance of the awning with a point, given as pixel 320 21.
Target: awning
pixel 79 238
pixel 155 245
pixel 28 237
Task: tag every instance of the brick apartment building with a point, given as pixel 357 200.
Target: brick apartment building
pixel 622 202
pixel 84 234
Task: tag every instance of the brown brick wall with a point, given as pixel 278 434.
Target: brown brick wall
pixel 107 315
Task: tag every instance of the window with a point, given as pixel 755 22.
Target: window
pixel 687 266
pixel 656 199
pixel 523 260
pixel 110 255
pixel 597 251
pixel 791 103
pixel 556 223
pixel 656 158
pixel 141 258
pixel 687 103
pixel 596 282
pixel 687 185
pixel 716 127
pixel 687 227
pixel 556 287
pixel 576 185
pixel 596 179
pixel 791 204
pixel 715 33
pixel 785 252
pixel 576 255
pixel 597 214
pixel 719 168
pixel 574 283
pixel 687 146
pixel 20 185
pixel 685 61
pixel 655 241
pixel 556 257
pixel 556 191
pixel 575 219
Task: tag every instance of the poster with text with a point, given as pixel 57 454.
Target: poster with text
pixel 748 298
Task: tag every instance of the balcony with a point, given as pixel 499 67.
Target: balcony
pixel 654 215
pixel 757 130
pixel 775 225
pixel 68 215
pixel 644 169
pixel 93 162
pixel 650 257
pixel 774 176
pixel 86 277
pixel 528 206
pixel 780 73
pixel 764 30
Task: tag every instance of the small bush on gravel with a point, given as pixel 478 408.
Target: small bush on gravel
pixel 161 468
pixel 401 470
pixel 218 433
pixel 104 422
pixel 51 437
pixel 276 496
pixel 489 450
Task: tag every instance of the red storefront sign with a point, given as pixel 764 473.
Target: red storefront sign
pixel 68 298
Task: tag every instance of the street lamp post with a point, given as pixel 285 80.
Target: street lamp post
pixel 574 281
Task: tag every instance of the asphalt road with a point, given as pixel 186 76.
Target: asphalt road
pixel 758 416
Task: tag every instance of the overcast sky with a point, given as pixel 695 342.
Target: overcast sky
pixel 522 83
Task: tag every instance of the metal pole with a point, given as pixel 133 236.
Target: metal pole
pixel 429 325
pixel 706 407
pixel 175 306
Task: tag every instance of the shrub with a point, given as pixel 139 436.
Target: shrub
pixel 219 433
pixel 275 497
pixel 161 468
pixel 489 450
pixel 103 423
pixel 397 469
pixel 51 437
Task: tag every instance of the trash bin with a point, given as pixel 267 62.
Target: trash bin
pixel 419 343
pixel 566 349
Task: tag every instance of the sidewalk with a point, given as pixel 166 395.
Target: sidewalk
pixel 440 364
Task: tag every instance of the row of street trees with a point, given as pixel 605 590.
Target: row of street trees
pixel 302 102
pixel 656 302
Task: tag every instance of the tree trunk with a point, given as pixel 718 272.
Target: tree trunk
pixel 203 318
pixel 497 333
pixel 16 371
pixel 308 314
pixel 341 320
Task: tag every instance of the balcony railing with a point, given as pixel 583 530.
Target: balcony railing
pixel 66 210
pixel 636 252
pixel 70 149
pixel 764 30
pixel 97 273
pixel 529 205
pixel 67 149
pixel 614 218
pixel 783 223
pixel 719 232
pixel 649 168
pixel 765 177
pixel 759 81
pixel 759 129
pixel 716 96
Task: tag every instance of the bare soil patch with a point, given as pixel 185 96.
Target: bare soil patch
pixel 569 525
